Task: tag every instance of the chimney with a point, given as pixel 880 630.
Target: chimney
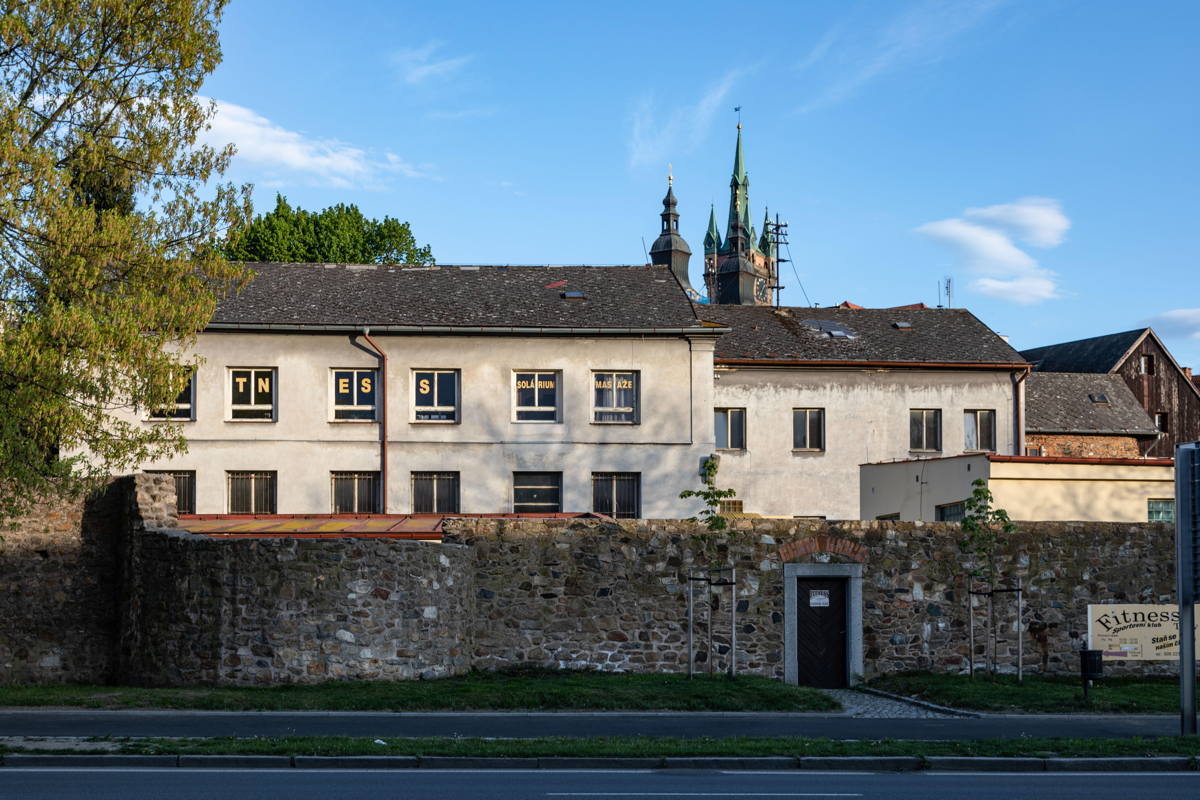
pixel 1188 371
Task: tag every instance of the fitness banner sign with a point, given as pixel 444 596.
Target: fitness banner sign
pixel 1135 632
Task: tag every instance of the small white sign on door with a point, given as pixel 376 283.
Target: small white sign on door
pixel 818 598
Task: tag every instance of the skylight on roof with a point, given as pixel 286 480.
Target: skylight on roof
pixel 902 326
pixel 1099 399
pixel 572 296
pixel 834 330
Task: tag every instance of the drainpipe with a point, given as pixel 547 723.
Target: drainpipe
pixel 383 427
pixel 1018 378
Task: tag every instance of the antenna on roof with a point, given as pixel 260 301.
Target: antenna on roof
pixel 645 251
pixel 949 291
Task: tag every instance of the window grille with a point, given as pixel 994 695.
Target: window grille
pixel 925 429
pixel 615 397
pixel 354 392
pixel 808 429
pixel 536 396
pixel 537 492
pixel 979 429
pixel 617 494
pixel 729 507
pixel 252 394
pixel 730 428
pixel 185 488
pixel 435 395
pixel 951 512
pixel 435 492
pixel 355 492
pixel 251 492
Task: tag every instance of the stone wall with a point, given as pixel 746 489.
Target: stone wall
pixel 114 592
pixel 1073 445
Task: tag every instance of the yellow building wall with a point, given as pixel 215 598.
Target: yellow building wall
pixel 1089 492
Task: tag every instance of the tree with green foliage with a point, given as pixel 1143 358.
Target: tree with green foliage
pixel 338 234
pixel 984 529
pixel 710 515
pixel 110 258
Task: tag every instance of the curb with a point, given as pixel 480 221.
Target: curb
pixel 781 763
pixel 912 701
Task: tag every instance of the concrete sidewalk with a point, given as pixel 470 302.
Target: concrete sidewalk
pixel 524 725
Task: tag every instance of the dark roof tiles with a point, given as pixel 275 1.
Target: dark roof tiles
pixel 488 296
pixel 943 336
pixel 1097 354
pixel 1058 402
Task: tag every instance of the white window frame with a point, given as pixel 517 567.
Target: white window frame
pixel 334 408
pixel 456 407
pixel 158 415
pixel 940 431
pixel 635 411
pixel 728 437
pixel 230 407
pixel 808 413
pixel 558 396
pixel 975 414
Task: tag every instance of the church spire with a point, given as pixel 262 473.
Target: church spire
pixel 737 231
pixel 669 249
pixel 712 239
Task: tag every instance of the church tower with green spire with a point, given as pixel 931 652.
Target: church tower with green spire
pixel 740 269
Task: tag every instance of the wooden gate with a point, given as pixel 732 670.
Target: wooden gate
pixel 821 645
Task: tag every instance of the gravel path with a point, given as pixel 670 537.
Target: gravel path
pixel 861 704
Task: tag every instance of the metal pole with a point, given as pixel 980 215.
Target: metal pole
pixel 1187 523
pixel 971 629
pixel 690 614
pixel 709 619
pixel 991 630
pixel 733 622
pixel 1020 638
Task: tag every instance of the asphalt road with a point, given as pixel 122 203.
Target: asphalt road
pixel 184 784
pixel 27 722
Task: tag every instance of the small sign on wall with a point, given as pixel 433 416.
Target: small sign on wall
pixel 818 598
pixel 1134 632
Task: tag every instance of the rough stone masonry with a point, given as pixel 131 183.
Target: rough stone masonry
pixel 114 591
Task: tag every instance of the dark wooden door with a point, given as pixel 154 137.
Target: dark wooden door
pixel 821 632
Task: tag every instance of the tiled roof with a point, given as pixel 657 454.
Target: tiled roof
pixel 1058 402
pixel 449 296
pixel 942 336
pixel 1097 354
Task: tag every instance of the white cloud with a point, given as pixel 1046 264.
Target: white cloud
pixel 417 64
pixel 657 135
pixel 1038 221
pixel 278 151
pixel 1182 322
pixel 922 33
pixel 1005 271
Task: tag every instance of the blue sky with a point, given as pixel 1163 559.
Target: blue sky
pixel 1042 153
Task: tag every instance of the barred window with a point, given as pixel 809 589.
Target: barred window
pixel 979 427
pixel 435 492
pixel 951 512
pixel 729 507
pixel 537 492
pixel 925 429
pixel 355 492
pixel 536 396
pixel 185 488
pixel 435 395
pixel 252 393
pixel 354 393
pixel 615 397
pixel 729 425
pixel 617 494
pixel 808 429
pixel 251 492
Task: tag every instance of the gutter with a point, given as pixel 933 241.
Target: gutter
pixel 454 329
pixel 383 426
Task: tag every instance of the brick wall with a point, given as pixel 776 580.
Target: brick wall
pixel 1080 446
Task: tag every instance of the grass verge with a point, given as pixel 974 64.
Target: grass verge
pixel 540 689
pixel 651 747
pixel 1037 694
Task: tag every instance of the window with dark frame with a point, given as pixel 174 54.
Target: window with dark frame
pixel 252 393
pixel 185 488
pixel 355 492
pixel 251 492
pixel 1146 364
pixel 925 429
pixel 951 512
pixel 537 492
pixel 435 395
pixel 617 494
pixel 808 429
pixel 354 392
pixel 435 492
pixel 1162 421
pixel 979 429
pixel 184 407
pixel 615 397
pixel 536 396
pixel 729 425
